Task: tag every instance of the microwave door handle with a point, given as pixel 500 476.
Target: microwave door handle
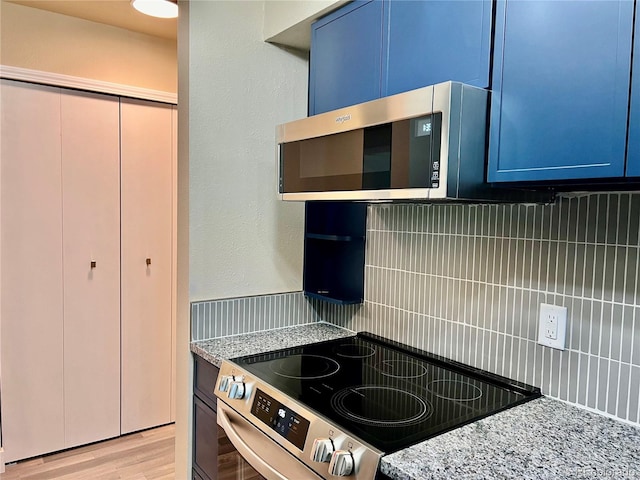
pixel 245 450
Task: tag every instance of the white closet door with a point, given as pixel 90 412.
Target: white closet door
pixel 91 232
pixel 146 163
pixel 31 284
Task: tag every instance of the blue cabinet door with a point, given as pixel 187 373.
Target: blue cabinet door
pixel 561 90
pixel 433 41
pixel 346 57
pixel 633 155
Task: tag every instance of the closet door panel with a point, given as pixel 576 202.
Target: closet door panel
pixel 91 226
pixel 31 283
pixel 146 163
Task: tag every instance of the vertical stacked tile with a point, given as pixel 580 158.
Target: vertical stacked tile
pixel 466 282
pixel 220 318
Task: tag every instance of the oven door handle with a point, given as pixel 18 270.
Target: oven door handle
pixel 226 419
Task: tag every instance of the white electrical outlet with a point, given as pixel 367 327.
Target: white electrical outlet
pixel 552 327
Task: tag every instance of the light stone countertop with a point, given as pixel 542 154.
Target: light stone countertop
pixel 541 439
pixel 218 349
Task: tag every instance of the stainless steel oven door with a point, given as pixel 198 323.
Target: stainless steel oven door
pixel 263 454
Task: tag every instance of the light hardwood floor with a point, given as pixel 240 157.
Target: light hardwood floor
pixel 139 456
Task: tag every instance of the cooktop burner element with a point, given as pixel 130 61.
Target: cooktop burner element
pixel 383 393
pixel 305 367
pixel 380 406
pixel 456 390
pixel 349 350
pixel 402 369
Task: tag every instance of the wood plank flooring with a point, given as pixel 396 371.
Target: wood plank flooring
pixel 147 455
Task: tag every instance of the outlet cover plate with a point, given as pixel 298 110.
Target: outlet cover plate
pixel 552 326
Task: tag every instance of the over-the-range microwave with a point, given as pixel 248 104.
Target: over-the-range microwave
pixel 425 144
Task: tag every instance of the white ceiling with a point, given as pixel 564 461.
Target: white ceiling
pixel 119 13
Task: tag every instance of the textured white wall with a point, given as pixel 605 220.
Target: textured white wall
pixel 184 365
pixel 288 22
pixel 243 240
pixel 280 15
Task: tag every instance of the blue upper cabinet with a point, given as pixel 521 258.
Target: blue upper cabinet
pixel 633 155
pixel 433 41
pixel 366 50
pixel 561 90
pixel 346 57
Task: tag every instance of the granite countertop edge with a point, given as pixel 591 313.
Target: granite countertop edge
pixel 540 439
pixel 224 348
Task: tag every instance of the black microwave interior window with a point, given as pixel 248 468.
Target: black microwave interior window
pixel 376 161
pixel 402 154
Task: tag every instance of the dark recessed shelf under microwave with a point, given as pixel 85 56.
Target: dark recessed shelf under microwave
pixel 334 238
pixel 334 300
pixel 334 251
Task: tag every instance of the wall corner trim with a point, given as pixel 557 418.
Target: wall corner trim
pixel 68 81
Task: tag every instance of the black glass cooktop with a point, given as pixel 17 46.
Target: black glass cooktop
pixel 389 395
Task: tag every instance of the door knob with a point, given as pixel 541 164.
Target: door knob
pixel 148 262
pixel 93 264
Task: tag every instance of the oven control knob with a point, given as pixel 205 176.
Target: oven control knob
pixel 341 464
pixel 225 380
pixel 322 450
pixel 236 390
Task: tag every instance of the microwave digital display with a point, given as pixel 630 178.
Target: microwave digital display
pixel 423 127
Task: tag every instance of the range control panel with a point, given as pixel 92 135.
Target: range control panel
pixel 283 420
pixel 329 451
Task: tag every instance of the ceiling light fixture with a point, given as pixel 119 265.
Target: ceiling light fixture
pixel 157 8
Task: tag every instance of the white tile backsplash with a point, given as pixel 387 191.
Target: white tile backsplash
pixel 466 282
pixel 221 318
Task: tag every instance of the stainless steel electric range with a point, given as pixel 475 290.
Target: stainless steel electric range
pixel 334 408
